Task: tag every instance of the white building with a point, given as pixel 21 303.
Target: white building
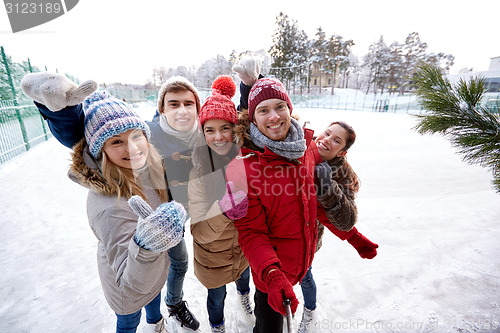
pixel 492 76
pixel 491 99
pixel 494 64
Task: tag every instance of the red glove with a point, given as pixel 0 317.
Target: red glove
pixel 234 205
pixel 279 289
pixel 366 248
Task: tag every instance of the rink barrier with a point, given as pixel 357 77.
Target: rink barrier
pixel 21 127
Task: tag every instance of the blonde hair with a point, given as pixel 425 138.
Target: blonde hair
pixel 127 184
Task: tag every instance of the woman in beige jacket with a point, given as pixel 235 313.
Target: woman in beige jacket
pixel 218 259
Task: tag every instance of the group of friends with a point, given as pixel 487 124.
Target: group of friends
pixel 257 187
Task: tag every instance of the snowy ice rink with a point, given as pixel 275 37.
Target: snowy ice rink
pixel 435 218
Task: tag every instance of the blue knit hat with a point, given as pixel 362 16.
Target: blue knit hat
pixel 106 116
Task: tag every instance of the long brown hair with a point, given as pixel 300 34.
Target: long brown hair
pixel 126 183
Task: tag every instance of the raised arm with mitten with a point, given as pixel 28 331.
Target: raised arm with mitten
pixel 248 70
pixel 59 101
pixel 55 91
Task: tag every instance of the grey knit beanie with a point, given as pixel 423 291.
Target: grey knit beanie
pixel 176 83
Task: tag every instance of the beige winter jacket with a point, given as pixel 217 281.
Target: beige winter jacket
pixel 131 276
pixel 218 259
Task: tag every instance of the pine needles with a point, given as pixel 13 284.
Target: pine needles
pixel 454 110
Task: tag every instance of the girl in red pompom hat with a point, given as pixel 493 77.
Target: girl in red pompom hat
pixel 213 205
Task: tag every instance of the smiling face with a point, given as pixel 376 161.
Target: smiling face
pixel 272 118
pixel 219 135
pixel 180 110
pixel 331 142
pixel 127 150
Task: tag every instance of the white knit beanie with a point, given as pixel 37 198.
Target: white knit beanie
pixel 176 83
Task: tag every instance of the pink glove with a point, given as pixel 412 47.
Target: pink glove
pixel 234 205
pixel 366 248
pixel 279 289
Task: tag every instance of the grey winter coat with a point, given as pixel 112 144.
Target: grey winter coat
pixel 131 276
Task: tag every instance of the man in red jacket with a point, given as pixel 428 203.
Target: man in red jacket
pixel 276 168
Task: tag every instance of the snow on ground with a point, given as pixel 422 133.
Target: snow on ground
pixel 435 218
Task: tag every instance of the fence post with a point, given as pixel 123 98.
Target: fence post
pixel 41 118
pixel 18 112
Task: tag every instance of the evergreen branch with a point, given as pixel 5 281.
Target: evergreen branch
pixel 496 180
pixel 455 112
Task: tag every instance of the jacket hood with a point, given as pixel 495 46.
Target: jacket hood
pixel 86 171
pixel 242 130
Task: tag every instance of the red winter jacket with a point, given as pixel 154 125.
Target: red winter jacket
pixel 280 228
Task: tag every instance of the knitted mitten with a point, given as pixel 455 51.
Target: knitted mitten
pixel 365 247
pixel 161 229
pixel 323 178
pixel 248 70
pixel 55 91
pixel 233 205
pixel 279 289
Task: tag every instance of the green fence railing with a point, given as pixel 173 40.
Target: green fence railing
pixel 21 127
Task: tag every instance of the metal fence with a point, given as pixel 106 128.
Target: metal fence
pixel 21 127
pixel 357 101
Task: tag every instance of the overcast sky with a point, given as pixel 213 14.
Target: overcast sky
pixel 116 40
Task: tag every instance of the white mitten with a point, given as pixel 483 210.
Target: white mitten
pixel 55 91
pixel 248 69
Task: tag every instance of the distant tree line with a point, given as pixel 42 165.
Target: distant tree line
pixel 393 67
pixel 384 68
pixel 293 58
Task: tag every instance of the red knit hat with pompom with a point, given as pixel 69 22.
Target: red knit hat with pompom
pixel 219 105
